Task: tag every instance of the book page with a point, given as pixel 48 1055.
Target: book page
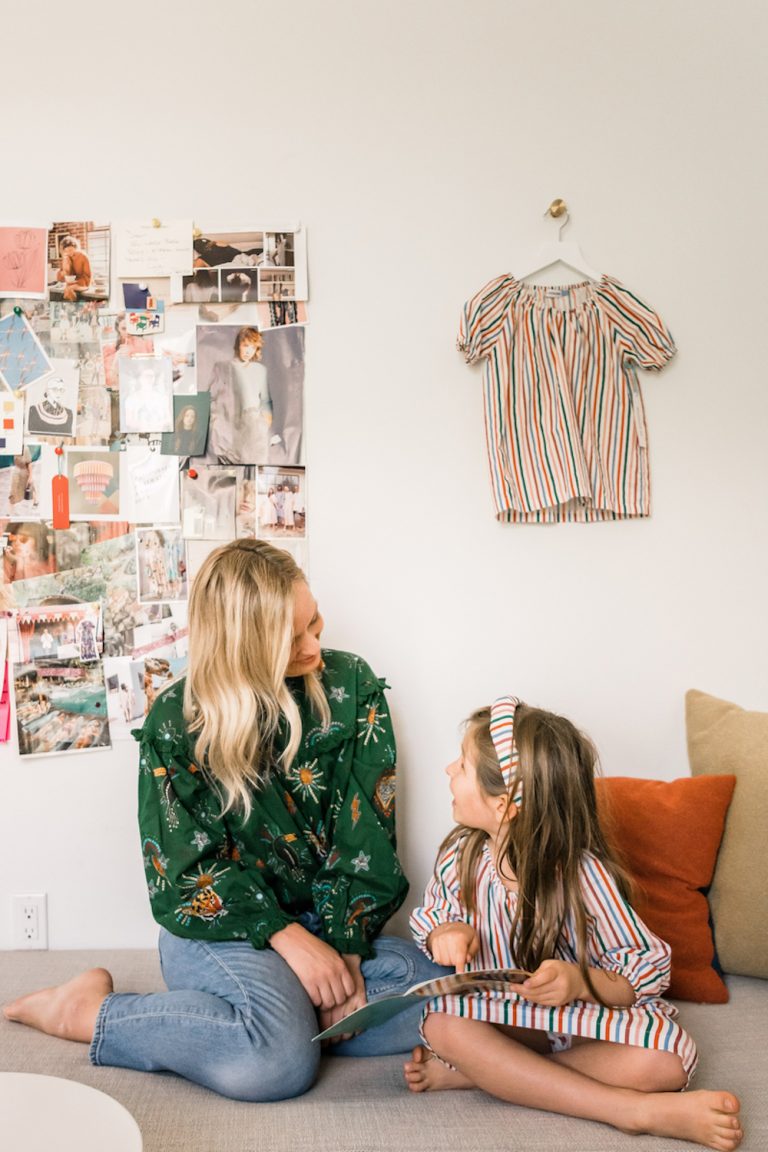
pixel 455 983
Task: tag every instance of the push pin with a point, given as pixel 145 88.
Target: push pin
pixel 155 222
pixel 192 474
pixel 17 310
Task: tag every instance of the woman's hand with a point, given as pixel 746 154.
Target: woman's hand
pixel 453 945
pixel 329 1016
pixel 554 982
pixel 323 973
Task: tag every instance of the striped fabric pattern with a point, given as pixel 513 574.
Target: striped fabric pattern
pixel 502 729
pixel 617 941
pixel 564 417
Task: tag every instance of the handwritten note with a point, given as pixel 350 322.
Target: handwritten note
pixel 145 248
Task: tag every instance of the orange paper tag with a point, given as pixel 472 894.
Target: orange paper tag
pixel 60 487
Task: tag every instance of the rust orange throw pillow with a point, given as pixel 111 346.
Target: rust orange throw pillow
pixel 667 833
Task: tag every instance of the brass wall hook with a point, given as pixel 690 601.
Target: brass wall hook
pixel 556 209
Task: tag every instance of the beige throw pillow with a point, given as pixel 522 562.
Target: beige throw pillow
pixel 723 738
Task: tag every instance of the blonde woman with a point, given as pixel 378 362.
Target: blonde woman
pixel 266 810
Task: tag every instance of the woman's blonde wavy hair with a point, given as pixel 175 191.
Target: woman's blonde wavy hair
pixel 240 635
pixel 542 846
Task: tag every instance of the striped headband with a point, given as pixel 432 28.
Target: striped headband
pixel 503 736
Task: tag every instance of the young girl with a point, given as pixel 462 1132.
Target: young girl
pixel 527 880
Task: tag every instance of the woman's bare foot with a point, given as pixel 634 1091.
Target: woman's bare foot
pixel 423 1073
pixel 708 1118
pixel 68 1010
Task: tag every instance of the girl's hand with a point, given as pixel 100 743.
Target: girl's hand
pixel 324 976
pixel 329 1016
pixel 453 945
pixel 554 982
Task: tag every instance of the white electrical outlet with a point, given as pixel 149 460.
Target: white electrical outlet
pixel 29 921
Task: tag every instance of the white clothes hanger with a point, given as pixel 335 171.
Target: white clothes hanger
pixel 558 251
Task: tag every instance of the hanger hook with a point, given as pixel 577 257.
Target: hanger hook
pixel 557 209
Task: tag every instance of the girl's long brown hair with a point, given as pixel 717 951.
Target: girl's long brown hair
pixel 544 844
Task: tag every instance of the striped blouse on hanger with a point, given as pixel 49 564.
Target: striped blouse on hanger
pixel 564 418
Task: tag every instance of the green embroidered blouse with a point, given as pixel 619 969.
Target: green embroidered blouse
pixel 320 837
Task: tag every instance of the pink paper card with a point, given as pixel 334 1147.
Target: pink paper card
pixel 23 261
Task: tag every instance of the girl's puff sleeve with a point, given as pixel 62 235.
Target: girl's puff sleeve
pixel 197 886
pixel 641 334
pixel 442 903
pixel 482 318
pixel 618 940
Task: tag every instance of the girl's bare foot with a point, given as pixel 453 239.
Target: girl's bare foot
pixel 423 1073
pixel 68 1010
pixel 708 1118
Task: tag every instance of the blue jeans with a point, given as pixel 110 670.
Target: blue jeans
pixel 238 1021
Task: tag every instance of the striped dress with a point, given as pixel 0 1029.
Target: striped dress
pixel 617 941
pixel 564 417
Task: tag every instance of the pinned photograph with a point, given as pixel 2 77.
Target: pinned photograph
pixel 239 286
pixel 52 402
pixel 201 287
pixel 245 516
pixel 260 249
pixel 190 426
pixel 124 681
pixel 23 253
pixel 21 482
pixel 71 327
pixel 149 485
pixel 78 261
pixel 117 344
pixel 22 359
pixel 181 350
pixel 61 703
pixel 256 385
pixel 94 483
pixel 277 284
pixel 208 502
pixel 281 502
pixel 28 552
pixel 239 249
pixel 279 249
pixel 94 402
pixel 161 564
pixel 140 321
pixel 146 394
pixel 278 313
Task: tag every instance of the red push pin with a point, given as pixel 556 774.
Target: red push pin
pixel 192 474
pixel 59 450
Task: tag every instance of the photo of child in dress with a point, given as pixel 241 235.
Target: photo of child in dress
pixel 161 564
pixel 281 503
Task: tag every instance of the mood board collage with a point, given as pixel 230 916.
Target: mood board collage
pixel 151 408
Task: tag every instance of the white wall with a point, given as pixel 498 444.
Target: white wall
pixel 421 141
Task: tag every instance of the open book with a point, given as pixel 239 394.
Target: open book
pixel 379 1011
